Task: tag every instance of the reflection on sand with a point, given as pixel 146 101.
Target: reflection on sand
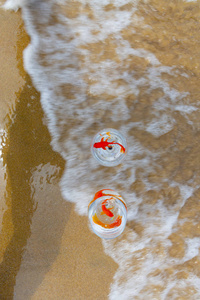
pixel 27 146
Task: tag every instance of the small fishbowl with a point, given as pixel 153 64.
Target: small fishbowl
pixel 109 147
pixel 107 214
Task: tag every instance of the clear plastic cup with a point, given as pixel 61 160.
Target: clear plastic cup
pixel 107 214
pixel 109 147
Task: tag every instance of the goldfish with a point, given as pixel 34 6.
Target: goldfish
pixel 103 192
pixel 106 210
pixel 104 143
pixel 116 223
pixel 100 194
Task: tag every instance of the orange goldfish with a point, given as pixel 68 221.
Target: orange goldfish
pixel 106 210
pixel 103 144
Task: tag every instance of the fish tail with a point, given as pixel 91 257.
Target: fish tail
pixel 122 147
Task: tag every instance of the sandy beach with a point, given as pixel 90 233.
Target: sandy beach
pixel 47 250
pixel 128 65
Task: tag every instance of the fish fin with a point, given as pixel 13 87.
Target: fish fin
pixel 102 213
pixel 108 133
pixel 104 148
pixel 102 139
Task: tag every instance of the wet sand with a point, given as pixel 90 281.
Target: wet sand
pixel 47 250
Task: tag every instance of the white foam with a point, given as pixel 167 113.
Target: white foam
pixel 185 108
pixel 160 126
pixel 193 246
pixel 14 4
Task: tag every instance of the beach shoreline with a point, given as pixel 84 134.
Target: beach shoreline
pixel 54 255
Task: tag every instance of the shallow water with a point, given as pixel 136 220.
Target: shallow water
pixel 43 241
pixel 133 66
